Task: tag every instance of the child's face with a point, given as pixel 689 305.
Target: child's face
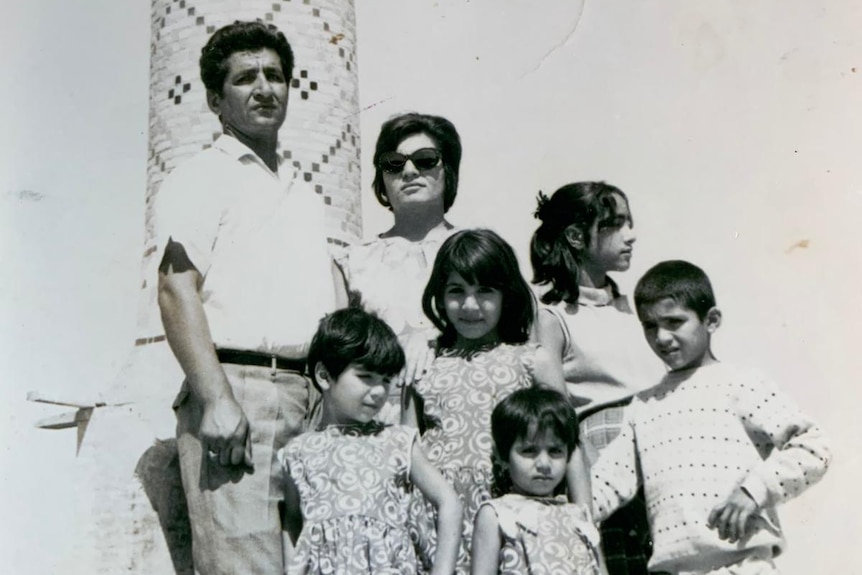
pixel 677 335
pixel 611 241
pixel 537 464
pixel 473 310
pixel 355 396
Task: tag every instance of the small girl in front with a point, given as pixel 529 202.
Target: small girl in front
pixel 484 309
pixel 532 527
pixel 586 234
pixel 347 484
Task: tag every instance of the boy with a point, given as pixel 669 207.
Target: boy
pixel 715 447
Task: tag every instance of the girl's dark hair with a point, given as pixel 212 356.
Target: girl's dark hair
pixel 439 129
pixel 531 411
pixel 352 335
pixel 240 37
pixel 681 281
pixel 554 260
pixel 524 414
pixel 481 257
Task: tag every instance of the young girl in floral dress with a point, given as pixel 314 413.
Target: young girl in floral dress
pixel 483 308
pixel 347 484
pixel 532 527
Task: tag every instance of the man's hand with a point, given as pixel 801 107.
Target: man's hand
pixel 732 518
pixel 224 430
pixel 225 433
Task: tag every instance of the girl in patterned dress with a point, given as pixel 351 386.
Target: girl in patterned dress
pixel 532 528
pixel 347 484
pixel 483 308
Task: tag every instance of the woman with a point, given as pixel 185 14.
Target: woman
pixel 416 163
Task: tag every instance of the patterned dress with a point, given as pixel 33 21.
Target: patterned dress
pixel 353 487
pixel 545 536
pixel 458 395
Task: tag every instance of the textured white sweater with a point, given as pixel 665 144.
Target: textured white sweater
pixel 690 441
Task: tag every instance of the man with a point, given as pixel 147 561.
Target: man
pixel 244 278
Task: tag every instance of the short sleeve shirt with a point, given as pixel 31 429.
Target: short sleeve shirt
pixel 258 239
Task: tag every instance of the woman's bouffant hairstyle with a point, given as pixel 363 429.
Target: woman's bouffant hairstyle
pixel 554 260
pixel 681 281
pixel 352 335
pixel 241 37
pixel 439 129
pixel 527 413
pixel 482 257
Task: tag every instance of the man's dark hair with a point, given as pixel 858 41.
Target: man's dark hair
pixel 681 281
pixel 352 335
pixel 241 37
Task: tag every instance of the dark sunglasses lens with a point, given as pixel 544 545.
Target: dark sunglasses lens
pixel 392 162
pixel 425 159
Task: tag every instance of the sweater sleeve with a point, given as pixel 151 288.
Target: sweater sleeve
pixel 794 450
pixel 615 477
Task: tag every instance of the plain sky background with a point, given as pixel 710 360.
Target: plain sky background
pixel 735 127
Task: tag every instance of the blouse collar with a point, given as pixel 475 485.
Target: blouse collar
pixel 597 297
pixel 372 427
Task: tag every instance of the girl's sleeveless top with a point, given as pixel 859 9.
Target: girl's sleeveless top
pixel 459 393
pixel 354 488
pixel 602 334
pixel 545 536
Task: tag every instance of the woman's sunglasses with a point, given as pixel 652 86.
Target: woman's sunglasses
pixel 423 159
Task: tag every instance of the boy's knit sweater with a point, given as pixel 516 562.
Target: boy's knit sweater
pixel 691 440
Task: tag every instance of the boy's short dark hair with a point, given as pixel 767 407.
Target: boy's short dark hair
pixel 681 281
pixel 352 335
pixel 531 411
pixel 241 37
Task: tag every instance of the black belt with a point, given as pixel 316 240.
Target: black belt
pixel 258 358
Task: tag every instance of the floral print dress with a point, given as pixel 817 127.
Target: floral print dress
pixel 458 394
pixel 545 536
pixel 353 482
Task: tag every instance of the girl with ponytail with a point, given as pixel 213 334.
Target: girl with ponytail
pixel 587 232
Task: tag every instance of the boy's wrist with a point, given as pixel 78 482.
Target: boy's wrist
pixel 748 494
pixel 754 488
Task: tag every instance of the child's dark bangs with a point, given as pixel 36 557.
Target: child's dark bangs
pixel 476 267
pixel 607 209
pixel 381 352
pixel 549 421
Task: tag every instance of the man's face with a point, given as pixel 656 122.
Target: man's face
pixel 253 101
